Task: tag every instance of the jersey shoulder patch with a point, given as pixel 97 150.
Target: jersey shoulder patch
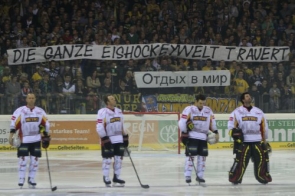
pixel 118 110
pixel 207 109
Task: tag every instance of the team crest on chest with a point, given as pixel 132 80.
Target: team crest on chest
pixel 249 118
pixel 115 119
pixel 200 118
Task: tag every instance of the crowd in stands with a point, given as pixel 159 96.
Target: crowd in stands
pixel 77 85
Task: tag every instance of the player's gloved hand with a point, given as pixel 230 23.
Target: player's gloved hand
pixel 267 147
pixel 41 129
pixel 126 140
pixel 184 138
pixel 45 141
pixel 237 135
pixel 106 142
pixel 189 125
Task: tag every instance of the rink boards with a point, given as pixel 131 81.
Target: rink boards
pixel 147 132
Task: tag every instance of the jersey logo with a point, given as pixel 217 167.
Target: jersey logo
pixel 184 116
pixel 200 118
pixel 231 118
pixel 32 119
pixel 249 118
pixel 13 118
pixel 115 119
pixel 99 120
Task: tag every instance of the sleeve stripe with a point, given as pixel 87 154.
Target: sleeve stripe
pixel 262 129
pixel 17 123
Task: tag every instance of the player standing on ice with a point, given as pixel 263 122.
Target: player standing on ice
pixel 249 130
pixel 195 123
pixel 29 126
pixel 114 139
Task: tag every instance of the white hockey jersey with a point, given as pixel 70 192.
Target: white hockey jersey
pixel 252 123
pixel 110 123
pixel 203 121
pixel 27 121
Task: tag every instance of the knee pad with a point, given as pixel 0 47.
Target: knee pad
pixel 118 165
pixel 34 162
pixel 239 166
pixel 261 164
pixel 118 162
pixel 23 162
pixel 106 163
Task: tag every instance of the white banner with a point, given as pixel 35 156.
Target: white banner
pixel 167 79
pixel 145 51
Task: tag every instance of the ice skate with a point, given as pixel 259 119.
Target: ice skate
pixel 118 182
pixel 201 181
pixel 188 180
pixel 21 182
pixel 237 183
pixel 32 183
pixel 107 181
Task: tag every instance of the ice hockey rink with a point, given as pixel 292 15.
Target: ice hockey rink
pixel 79 173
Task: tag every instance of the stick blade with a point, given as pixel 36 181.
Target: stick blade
pixel 53 189
pixel 145 186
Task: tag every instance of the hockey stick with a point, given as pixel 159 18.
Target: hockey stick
pixel 145 186
pixel 192 159
pixel 48 168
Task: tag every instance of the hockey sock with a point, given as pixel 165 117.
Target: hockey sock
pixel 201 166
pixel 117 165
pixel 22 164
pixel 106 163
pixel 34 164
pixel 188 166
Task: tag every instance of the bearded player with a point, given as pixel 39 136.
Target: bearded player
pixel 249 130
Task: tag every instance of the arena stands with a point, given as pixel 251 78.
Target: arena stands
pixel 77 86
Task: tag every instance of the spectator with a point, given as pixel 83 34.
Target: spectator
pixel 37 76
pixel 264 92
pixel 286 99
pixel 24 92
pixel 68 86
pixel 275 95
pixel 80 102
pixel 241 85
pixel 13 91
pixel 229 23
pixel 122 88
pixel 6 77
pixel 93 81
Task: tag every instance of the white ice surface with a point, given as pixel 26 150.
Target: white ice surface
pixel 79 173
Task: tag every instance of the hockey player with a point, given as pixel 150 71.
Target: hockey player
pixel 33 126
pixel 249 130
pixel 114 140
pixel 195 123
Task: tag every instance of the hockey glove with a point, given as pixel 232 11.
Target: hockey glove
pixel 45 141
pixel 126 140
pixel 237 135
pixel 267 147
pixel 189 125
pixel 184 138
pixel 41 129
pixel 106 142
pixel 213 137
